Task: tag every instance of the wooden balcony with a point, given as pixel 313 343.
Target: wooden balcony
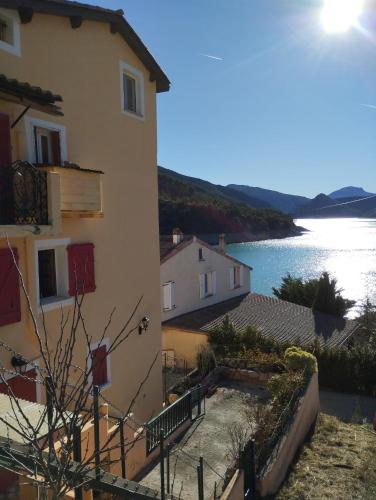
pixel 80 191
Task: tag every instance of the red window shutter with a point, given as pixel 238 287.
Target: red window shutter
pixel 10 304
pixel 81 269
pixel 55 146
pixel 5 144
pixel 99 364
pixel 23 387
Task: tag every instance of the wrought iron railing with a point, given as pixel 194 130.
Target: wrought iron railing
pixel 23 195
pixel 173 417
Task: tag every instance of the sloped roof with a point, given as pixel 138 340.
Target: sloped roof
pixel 168 249
pixel 115 18
pixel 274 318
pixel 35 97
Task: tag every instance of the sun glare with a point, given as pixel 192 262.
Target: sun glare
pixel 339 16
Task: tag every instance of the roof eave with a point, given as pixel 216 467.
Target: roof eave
pixel 118 24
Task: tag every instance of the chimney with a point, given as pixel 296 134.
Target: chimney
pixel 177 236
pixel 222 243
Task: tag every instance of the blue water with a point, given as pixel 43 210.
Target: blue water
pixel 346 248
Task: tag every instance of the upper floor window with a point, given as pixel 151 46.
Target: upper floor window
pixel 200 254
pixel 10 35
pixel 169 296
pixel 47 145
pixel 132 90
pixel 46 141
pixel 236 276
pixel 208 284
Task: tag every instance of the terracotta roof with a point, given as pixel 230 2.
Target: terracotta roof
pixel 30 94
pixel 168 249
pixel 76 11
pixel 274 318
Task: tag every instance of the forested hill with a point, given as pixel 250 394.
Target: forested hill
pixel 201 208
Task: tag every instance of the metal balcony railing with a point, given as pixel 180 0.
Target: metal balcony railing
pixel 23 195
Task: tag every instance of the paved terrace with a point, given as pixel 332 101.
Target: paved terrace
pixel 207 437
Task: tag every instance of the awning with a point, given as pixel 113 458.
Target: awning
pixel 30 96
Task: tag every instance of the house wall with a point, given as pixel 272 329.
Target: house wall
pixel 184 268
pixel 83 66
pixel 184 343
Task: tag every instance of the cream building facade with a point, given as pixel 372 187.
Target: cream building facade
pixel 195 275
pixel 78 98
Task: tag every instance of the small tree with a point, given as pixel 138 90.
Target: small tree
pixel 321 295
pixel 367 322
pixel 70 406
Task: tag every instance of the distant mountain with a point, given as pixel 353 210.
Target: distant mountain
pixel 350 192
pixel 287 203
pixel 324 206
pixel 205 209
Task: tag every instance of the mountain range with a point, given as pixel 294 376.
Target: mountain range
pixel 349 201
pixel 205 209
pixel 247 213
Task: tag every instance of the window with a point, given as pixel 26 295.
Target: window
pixel 200 254
pixel 47 273
pixel 10 307
pixel 52 273
pixel 132 90
pixel 46 142
pixel 236 277
pixel 47 146
pixel 169 296
pixel 100 364
pixel 208 284
pixel 10 34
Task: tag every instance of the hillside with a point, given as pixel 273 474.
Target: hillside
pixel 199 207
pixel 287 203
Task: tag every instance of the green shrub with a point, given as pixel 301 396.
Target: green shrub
pixel 205 360
pixel 298 360
pixel 284 387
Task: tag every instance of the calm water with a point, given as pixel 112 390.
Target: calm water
pixel 346 248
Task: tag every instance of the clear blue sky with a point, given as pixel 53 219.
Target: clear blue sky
pixel 284 106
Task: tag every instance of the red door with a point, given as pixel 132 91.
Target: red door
pixel 5 144
pixel 23 387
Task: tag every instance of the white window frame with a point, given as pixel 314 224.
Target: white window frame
pixel 140 90
pixel 93 346
pixel 26 368
pixel 30 123
pixel 212 284
pixel 172 286
pixel 62 274
pixel 13 19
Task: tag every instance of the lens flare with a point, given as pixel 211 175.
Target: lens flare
pixel 338 16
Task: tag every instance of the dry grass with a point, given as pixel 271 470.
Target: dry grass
pixel 339 463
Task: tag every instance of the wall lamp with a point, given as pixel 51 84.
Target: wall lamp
pixel 18 362
pixel 144 325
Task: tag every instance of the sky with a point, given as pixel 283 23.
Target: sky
pixel 280 104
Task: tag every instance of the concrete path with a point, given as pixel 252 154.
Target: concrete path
pixel 347 406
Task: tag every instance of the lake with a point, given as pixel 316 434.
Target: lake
pixel 346 248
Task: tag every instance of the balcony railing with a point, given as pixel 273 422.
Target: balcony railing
pixel 23 195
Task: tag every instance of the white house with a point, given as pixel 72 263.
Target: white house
pixel 195 275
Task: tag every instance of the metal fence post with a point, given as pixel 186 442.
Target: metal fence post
pixel 161 461
pixel 201 479
pixel 168 468
pixel 122 448
pixel 96 433
pixel 77 457
pixel 252 466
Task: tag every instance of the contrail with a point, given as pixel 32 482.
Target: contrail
pixel 212 57
pixel 372 106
